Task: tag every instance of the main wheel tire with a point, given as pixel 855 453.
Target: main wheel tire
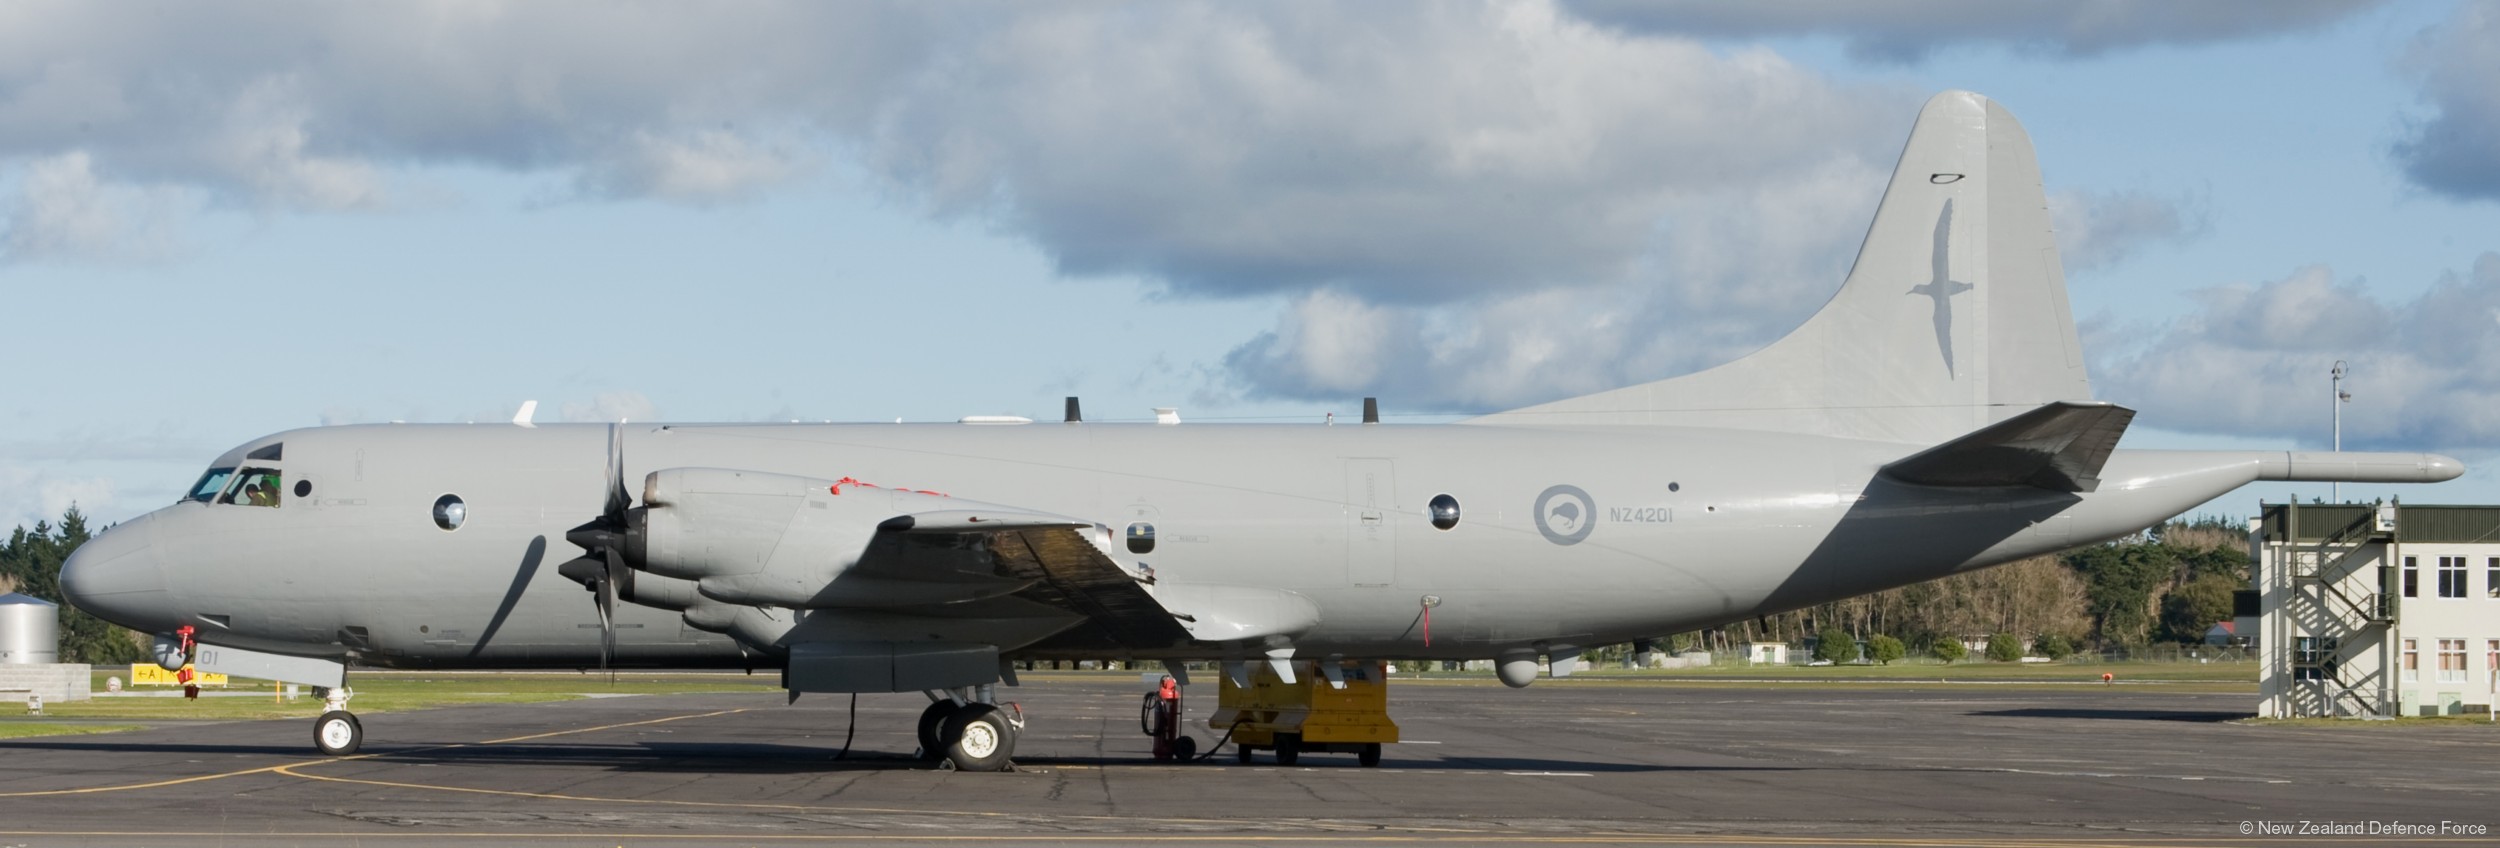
pixel 932 722
pixel 1288 748
pixel 1184 749
pixel 978 738
pixel 1369 756
pixel 338 733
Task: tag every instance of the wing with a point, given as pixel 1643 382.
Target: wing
pixel 871 564
pixel 929 559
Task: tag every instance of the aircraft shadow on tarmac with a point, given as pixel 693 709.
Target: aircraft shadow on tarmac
pixel 2195 716
pixel 795 759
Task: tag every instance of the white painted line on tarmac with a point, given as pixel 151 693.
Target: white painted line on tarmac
pixel 1549 774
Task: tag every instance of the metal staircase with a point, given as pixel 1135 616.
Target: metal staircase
pixel 2341 603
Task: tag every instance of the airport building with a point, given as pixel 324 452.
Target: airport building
pixel 2374 610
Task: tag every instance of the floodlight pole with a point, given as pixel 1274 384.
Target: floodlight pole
pixel 2336 490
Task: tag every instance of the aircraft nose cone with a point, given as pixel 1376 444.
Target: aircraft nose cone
pixel 116 577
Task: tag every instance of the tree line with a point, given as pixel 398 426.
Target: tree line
pixel 2170 583
pixel 31 564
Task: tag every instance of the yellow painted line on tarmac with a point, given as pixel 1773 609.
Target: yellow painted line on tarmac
pixel 1416 834
pixel 282 768
pixel 289 770
pixel 150 785
pixel 603 727
pixel 1315 836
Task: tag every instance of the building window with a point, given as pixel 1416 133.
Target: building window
pixel 2451 660
pixel 2413 663
pixel 2452 577
pixel 2413 577
pixel 2313 650
pixel 2491 580
pixel 2492 660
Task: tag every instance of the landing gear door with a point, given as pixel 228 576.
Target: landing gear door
pixel 1371 550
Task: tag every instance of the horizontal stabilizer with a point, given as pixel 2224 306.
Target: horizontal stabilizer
pixel 2059 446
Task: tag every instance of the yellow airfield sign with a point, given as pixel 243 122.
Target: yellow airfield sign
pixel 151 674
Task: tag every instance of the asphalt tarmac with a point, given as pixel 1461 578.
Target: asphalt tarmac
pixel 1680 763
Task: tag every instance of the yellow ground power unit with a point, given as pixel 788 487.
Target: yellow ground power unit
pixel 1340 710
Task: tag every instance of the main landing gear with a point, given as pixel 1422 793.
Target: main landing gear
pixel 967 730
pixel 337 732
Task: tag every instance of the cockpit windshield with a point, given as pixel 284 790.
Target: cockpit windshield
pixel 210 485
pixel 254 487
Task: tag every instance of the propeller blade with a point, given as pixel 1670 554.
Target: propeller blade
pixel 619 580
pixel 620 577
pixel 618 497
pixel 607 623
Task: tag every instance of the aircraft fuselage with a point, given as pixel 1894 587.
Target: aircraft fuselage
pixel 1565 537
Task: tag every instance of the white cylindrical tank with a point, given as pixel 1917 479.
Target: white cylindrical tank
pixel 30 630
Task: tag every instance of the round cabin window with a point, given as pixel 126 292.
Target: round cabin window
pixel 1444 511
pixel 449 512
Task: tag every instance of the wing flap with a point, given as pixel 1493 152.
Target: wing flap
pixel 2059 447
pixel 1074 575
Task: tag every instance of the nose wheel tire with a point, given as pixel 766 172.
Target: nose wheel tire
pixel 979 739
pixel 338 733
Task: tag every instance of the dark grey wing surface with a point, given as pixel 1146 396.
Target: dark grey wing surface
pixel 1038 560
pixel 2059 447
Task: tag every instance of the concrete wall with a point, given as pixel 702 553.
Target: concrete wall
pixel 56 682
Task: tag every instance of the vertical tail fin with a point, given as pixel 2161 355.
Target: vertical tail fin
pixel 1954 316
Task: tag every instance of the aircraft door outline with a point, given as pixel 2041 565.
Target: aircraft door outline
pixel 1371 528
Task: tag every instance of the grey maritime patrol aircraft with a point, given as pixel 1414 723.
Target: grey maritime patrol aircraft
pixel 1932 419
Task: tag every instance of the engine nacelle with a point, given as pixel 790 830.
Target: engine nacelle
pixel 761 539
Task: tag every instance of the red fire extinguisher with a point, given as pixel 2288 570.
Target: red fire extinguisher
pixel 1160 717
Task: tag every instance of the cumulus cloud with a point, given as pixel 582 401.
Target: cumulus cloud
pixel 2251 358
pixel 1908 31
pixel 610 407
pixel 697 167
pixel 2457 150
pixel 28 496
pixel 304 105
pixel 1403 152
pixel 61 210
pixel 1728 272
pixel 2099 229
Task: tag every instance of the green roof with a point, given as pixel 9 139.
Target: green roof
pixel 2419 523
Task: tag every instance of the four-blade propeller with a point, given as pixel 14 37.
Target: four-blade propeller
pixel 601 568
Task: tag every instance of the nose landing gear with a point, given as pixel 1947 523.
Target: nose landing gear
pixel 337 732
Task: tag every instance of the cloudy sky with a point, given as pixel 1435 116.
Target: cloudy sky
pixel 222 221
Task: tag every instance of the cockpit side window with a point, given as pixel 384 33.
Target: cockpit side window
pixel 210 485
pixel 254 487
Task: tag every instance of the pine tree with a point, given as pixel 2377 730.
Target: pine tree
pixel 32 560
